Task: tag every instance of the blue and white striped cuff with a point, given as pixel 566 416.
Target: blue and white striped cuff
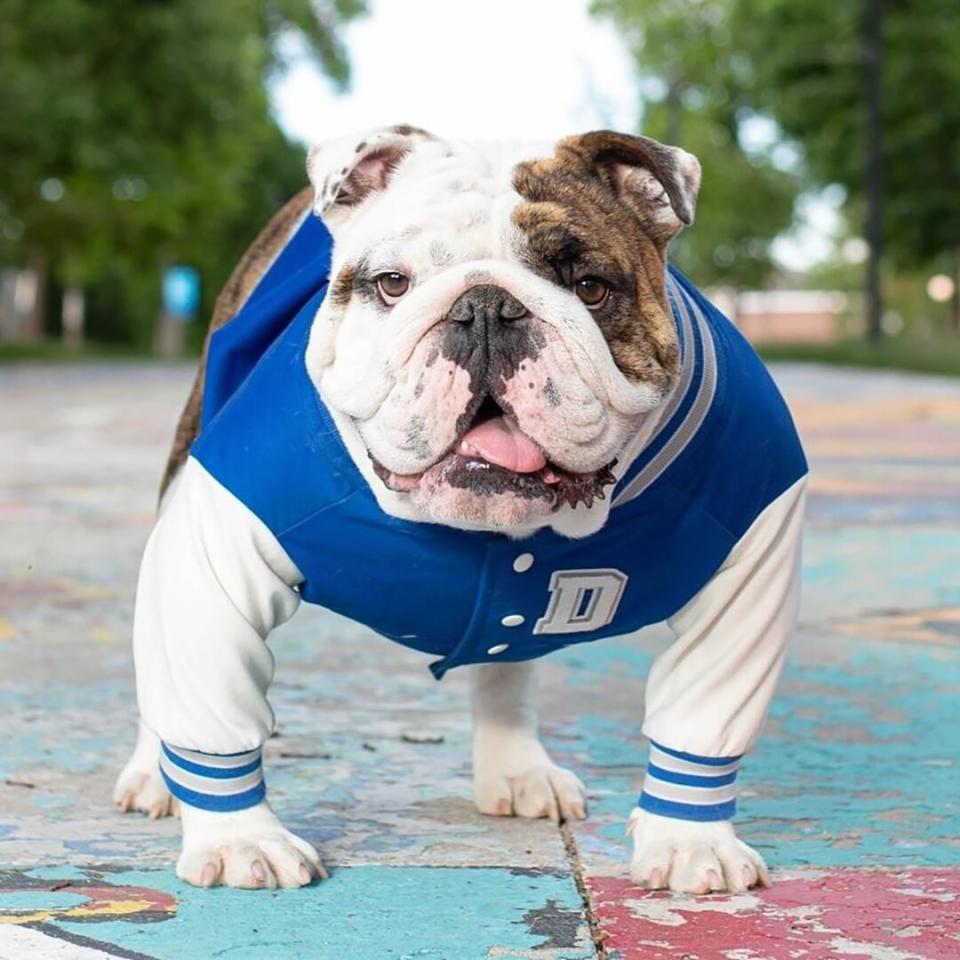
pixel 213 781
pixel 688 787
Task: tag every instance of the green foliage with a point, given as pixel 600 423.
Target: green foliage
pixel 717 63
pixel 812 80
pixel 138 135
pixel 690 65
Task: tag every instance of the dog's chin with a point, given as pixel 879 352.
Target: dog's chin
pixel 468 491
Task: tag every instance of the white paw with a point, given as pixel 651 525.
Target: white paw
pixel 547 791
pixel 140 786
pixel 249 848
pixel 144 790
pixel 692 857
pixel 516 777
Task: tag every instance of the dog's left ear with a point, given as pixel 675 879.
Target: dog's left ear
pixel 346 171
pixel 659 182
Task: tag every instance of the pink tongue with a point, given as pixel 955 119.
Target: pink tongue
pixel 501 442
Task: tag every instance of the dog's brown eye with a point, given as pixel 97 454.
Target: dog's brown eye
pixel 591 291
pixel 393 286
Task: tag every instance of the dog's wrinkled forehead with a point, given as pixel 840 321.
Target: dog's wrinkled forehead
pixel 416 180
pixel 400 193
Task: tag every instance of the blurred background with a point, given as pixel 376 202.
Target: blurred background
pixel 144 145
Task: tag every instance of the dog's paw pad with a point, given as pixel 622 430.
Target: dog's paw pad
pixel 690 857
pixel 280 860
pixel 543 791
pixel 144 791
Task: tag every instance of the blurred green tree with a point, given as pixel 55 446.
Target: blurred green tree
pixel 137 135
pixel 811 78
pixel 691 82
pixel 713 66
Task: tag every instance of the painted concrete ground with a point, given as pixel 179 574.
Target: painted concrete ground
pixel 852 795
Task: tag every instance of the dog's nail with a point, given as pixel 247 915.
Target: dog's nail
pixel 714 880
pixel 655 880
pixel 322 871
pixel 748 876
pixel 209 875
pixel 258 872
pixel 304 875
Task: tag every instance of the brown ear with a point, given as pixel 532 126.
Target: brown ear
pixel 344 172
pixel 659 182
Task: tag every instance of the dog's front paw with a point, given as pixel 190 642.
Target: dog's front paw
pixel 519 779
pixel 248 848
pixel 692 857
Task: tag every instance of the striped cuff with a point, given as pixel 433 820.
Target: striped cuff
pixel 212 781
pixel 687 787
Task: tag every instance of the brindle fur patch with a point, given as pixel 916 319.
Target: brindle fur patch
pixel 252 266
pixel 576 224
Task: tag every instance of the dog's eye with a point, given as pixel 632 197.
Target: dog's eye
pixel 591 291
pixel 392 286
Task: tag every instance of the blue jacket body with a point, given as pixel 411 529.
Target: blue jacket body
pixel 727 450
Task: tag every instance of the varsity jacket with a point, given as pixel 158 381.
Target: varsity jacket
pixel 703 532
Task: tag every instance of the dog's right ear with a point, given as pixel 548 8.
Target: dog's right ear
pixel 346 171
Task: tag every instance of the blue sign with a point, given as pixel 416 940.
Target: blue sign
pixel 181 292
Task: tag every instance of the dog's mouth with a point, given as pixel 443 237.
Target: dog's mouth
pixel 493 456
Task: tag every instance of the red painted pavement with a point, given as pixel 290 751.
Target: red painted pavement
pixel 880 915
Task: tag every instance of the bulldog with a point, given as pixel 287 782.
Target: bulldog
pixel 455 392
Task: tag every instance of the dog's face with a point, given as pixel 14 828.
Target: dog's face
pixel 496 326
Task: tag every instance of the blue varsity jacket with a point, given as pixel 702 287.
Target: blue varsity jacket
pixel 726 449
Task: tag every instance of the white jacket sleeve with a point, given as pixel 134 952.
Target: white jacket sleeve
pixel 708 694
pixel 213 583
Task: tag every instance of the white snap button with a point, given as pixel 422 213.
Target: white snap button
pixel 499 648
pixel 523 563
pixel 513 620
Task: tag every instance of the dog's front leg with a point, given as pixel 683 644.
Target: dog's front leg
pixel 213 583
pixel 707 699
pixel 512 771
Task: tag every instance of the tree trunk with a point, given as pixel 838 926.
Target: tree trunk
pixel 168 335
pixel 33 322
pixel 873 62
pixel 72 317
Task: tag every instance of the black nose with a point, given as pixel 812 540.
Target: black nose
pixel 488 306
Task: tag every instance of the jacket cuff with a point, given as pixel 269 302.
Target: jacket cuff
pixel 213 781
pixel 686 786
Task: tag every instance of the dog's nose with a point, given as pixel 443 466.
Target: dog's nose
pixel 486 305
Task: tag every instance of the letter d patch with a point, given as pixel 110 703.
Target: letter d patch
pixel 582 600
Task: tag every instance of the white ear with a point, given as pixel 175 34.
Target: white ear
pixel 345 171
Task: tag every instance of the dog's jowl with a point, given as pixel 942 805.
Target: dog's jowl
pixel 466 370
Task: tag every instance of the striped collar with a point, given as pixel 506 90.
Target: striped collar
pixel 689 403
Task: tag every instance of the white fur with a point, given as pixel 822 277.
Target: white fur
pixel 691 857
pixel 140 786
pixel 249 848
pixel 512 771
